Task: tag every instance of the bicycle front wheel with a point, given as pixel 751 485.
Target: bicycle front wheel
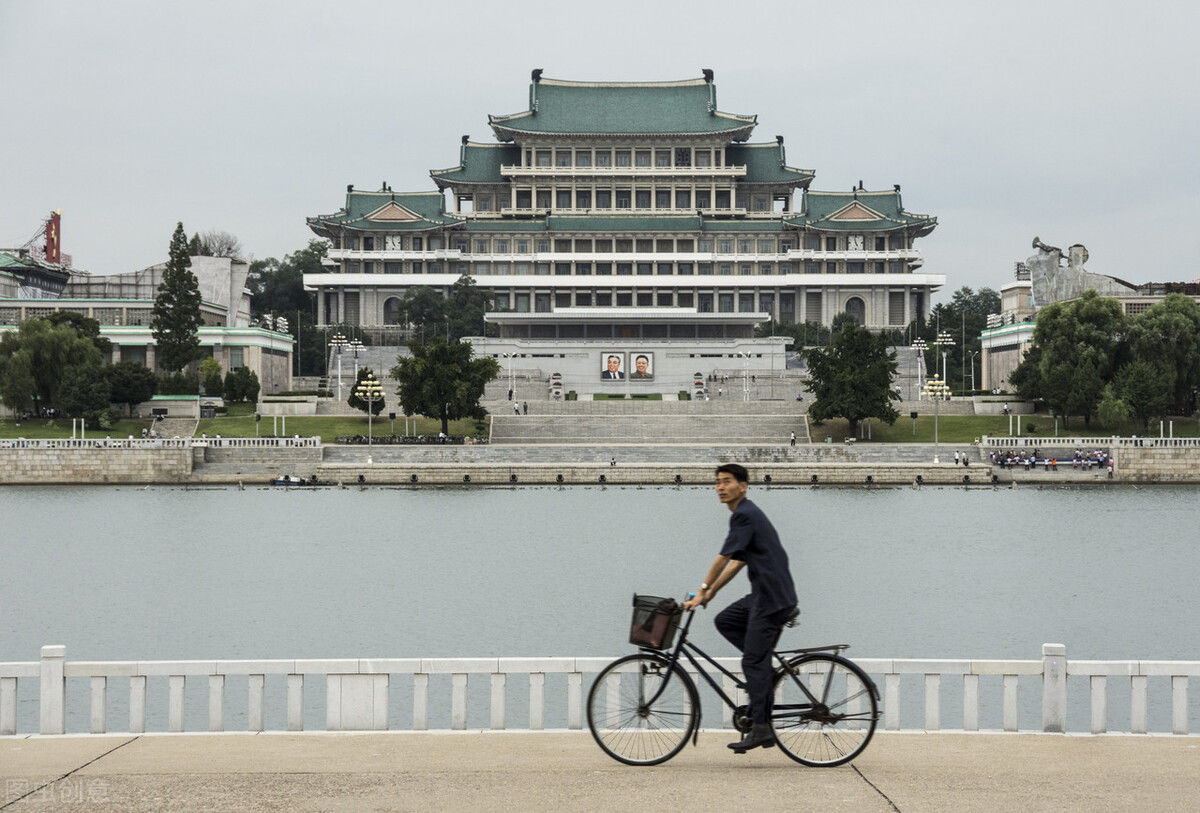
pixel 642 709
pixel 825 710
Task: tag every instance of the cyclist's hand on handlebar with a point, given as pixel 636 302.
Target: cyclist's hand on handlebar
pixel 695 601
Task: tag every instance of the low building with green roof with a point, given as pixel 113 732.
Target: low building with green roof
pixel 627 195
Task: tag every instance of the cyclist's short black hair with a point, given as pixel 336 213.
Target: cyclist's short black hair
pixel 737 471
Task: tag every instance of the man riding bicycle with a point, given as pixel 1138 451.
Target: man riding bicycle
pixel 752 623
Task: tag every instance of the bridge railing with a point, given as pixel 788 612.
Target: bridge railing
pixel 1097 442
pixel 356 690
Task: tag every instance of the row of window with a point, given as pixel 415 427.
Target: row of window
pixel 704 245
pixel 647 157
pixel 622 269
pixel 617 198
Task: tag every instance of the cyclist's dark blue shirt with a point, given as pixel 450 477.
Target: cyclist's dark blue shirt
pixel 752 539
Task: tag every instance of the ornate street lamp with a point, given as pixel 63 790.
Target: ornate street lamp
pixel 337 343
pixel 370 391
pixel 944 340
pixel 920 346
pixel 355 345
pixel 935 389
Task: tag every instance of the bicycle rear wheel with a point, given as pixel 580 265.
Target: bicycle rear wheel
pixel 833 721
pixel 627 725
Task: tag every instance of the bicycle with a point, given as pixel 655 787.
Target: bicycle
pixel 825 711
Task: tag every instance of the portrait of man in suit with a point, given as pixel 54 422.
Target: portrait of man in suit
pixel 642 367
pixel 612 363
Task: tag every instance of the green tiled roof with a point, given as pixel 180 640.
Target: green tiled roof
pixel 876 211
pixel 765 164
pixel 611 108
pixel 387 211
pixel 480 164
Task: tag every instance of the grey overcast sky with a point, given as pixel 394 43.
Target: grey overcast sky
pixel 1074 121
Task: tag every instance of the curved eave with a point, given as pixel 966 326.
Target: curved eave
pixel 444 180
pixel 920 227
pixel 803 177
pixel 506 132
pixel 380 225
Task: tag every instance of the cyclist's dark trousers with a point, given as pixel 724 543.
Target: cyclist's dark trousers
pixel 755 634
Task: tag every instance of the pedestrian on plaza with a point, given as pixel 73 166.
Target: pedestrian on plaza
pixel 516 408
pixel 956 458
pixel 525 407
pixel 510 393
pixel 612 462
pixel 720 391
pixel 752 623
pixel 793 440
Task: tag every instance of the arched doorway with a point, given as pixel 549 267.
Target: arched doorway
pixel 391 311
pixel 857 309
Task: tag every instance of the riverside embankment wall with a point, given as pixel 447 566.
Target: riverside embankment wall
pixel 1144 464
pixel 94 465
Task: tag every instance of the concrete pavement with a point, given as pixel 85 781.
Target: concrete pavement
pixel 551 771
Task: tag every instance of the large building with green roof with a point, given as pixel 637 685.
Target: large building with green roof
pixel 628 195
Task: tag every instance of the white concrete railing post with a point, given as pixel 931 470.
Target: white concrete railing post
pixel 1054 688
pixel 8 705
pixel 52 701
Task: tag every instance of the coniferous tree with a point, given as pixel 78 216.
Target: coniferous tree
pixel 354 402
pixel 176 319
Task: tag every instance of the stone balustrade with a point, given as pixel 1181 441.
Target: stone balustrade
pixel 1098 442
pixel 357 690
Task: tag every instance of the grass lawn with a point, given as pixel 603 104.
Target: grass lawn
pixel 966 428
pixel 61 428
pixel 330 427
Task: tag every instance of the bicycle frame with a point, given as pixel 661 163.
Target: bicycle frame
pixel 689 650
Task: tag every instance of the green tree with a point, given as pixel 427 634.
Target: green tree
pixel 34 360
pixel 130 383
pixel 84 393
pixel 1112 411
pixel 465 306
pixel 210 377
pixel 443 381
pixel 1143 389
pixel 1080 344
pixel 85 326
pixel 358 403
pixel 424 309
pixel 175 322
pixel 852 378
pixel 241 384
pixel 1167 337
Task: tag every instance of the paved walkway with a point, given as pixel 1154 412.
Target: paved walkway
pixel 552 771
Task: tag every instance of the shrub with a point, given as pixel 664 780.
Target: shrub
pixel 179 384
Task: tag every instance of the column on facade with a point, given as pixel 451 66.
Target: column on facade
pixel 341 305
pixel 322 314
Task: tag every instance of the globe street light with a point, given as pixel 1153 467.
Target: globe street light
pixel 355 345
pixel 337 343
pixel 920 346
pixel 370 391
pixel 944 340
pixel 936 389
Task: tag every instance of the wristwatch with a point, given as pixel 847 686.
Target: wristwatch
pixel 703 585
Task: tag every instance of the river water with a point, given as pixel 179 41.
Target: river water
pixel 169 573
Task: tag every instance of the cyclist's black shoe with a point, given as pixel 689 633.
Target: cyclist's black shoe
pixel 760 736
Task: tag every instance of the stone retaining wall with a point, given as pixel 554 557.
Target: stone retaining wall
pixel 652 474
pixel 1144 464
pixel 264 454
pixel 87 466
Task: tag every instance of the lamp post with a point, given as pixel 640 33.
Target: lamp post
pixel 936 390
pixel 337 343
pixel 512 379
pixel 944 340
pixel 974 353
pixel 370 391
pixel 356 345
pixel 745 376
pixel 920 346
